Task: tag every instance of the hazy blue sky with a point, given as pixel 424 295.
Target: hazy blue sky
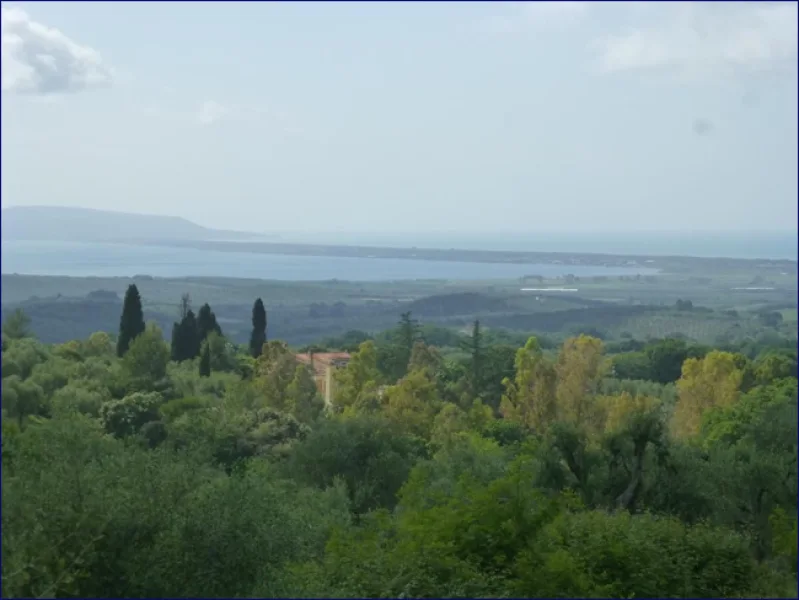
pixel 402 116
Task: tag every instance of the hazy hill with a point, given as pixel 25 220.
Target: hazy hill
pixel 54 223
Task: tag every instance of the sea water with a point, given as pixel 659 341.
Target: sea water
pixel 119 260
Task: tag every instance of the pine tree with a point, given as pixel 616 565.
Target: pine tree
pixel 258 335
pixel 131 323
pixel 205 361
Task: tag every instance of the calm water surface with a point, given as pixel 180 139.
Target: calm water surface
pixel 116 260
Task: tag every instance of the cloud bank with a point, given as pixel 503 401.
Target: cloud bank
pixel 700 39
pixel 706 39
pixel 41 60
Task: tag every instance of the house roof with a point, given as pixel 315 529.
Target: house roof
pixel 322 360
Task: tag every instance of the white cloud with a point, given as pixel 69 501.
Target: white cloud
pixel 40 60
pixel 704 39
pixel 210 112
pixel 684 39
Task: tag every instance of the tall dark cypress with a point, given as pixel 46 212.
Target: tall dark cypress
pixel 477 358
pixel 206 322
pixel 185 342
pixel 131 323
pixel 205 361
pixel 185 306
pixel 408 332
pixel 174 352
pixel 178 330
pixel 258 335
pixel 475 346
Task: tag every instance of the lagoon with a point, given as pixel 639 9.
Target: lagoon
pixel 120 260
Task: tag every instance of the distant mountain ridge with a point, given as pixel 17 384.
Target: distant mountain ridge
pixel 72 224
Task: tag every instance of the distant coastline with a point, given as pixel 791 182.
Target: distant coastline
pixel 289 263
pixel 669 250
pixel 562 259
pixel 773 245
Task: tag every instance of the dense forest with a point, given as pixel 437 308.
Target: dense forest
pixel 446 466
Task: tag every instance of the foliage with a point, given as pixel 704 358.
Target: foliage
pixel 258 335
pixel 367 454
pixel 145 363
pixel 595 554
pixel 205 361
pixel 439 471
pixel 131 323
pixel 357 384
pixel 185 338
pixel 128 415
pixel 705 384
pixel 17 325
pixel 530 400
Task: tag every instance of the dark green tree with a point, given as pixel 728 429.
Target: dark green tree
pixel 185 338
pixel 205 361
pixel 408 334
pixel 475 346
pixel 17 325
pixel 131 323
pixel 258 335
pixel 498 362
pixel 185 306
pixel 206 322
pixel 174 347
pixel 394 356
pixel 667 356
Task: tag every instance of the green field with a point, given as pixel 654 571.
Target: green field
pixel 723 309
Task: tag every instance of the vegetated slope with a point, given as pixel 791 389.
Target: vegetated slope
pixel 57 320
pixel 548 474
pixel 456 304
pixel 60 318
pixel 601 317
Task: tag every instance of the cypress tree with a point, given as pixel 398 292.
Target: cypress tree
pixel 475 346
pixel 205 361
pixel 185 340
pixel 477 358
pixel 174 352
pixel 179 330
pixel 258 335
pixel 408 333
pixel 131 323
pixel 206 322
pixel 185 306
pixel 191 337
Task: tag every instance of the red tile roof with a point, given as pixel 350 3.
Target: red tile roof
pixel 322 360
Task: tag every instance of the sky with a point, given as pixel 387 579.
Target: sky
pixel 424 117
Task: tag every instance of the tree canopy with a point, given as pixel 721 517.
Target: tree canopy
pixel 488 471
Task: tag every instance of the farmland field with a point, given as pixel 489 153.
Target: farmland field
pixel 724 302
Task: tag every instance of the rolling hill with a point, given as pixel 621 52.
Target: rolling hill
pixel 70 224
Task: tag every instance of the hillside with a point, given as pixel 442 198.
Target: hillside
pixel 71 224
